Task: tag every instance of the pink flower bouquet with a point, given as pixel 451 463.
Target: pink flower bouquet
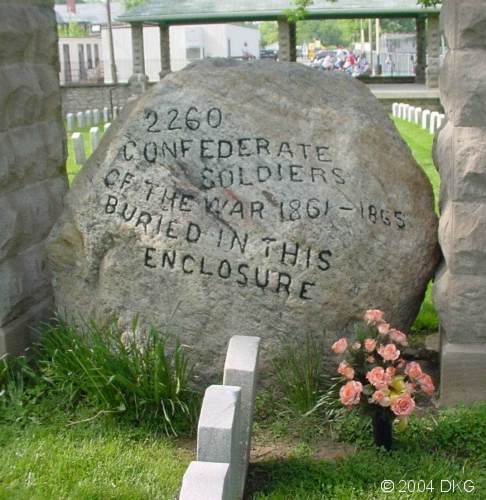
pixel 375 376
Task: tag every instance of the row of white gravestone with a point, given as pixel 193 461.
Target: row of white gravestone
pixel 428 120
pixel 90 117
pixel 78 143
pixel 224 428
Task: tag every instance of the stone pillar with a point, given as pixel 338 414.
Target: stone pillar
pixel 421 57
pixel 286 41
pixel 32 165
pixel 433 52
pixel 138 81
pixel 460 154
pixel 164 50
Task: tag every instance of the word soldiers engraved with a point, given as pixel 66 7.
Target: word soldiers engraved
pixel 252 198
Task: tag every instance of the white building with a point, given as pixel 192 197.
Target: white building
pixel 187 44
pixel 80 60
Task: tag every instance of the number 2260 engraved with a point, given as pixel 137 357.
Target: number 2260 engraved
pixel 174 119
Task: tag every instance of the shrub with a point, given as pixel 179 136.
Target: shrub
pixel 298 371
pixel 126 373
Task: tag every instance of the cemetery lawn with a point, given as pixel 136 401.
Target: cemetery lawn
pixel 71 167
pixel 46 456
pixel 420 143
pixel 301 459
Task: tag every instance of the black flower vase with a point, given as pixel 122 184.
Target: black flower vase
pixel 382 429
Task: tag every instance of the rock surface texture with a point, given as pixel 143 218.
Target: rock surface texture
pixel 460 154
pixel 32 157
pixel 253 198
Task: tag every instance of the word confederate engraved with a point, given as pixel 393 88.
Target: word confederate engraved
pixel 163 211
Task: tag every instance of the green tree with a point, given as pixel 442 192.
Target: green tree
pixel 404 25
pixel 130 4
pixel 327 31
pixel 268 32
pixel 73 29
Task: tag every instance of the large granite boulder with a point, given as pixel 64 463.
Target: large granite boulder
pixel 255 198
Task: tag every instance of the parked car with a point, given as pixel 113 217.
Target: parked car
pixel 268 54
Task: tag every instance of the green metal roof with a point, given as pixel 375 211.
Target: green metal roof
pixel 207 11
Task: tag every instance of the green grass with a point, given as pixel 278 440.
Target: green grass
pixel 420 143
pixel 94 414
pixel 450 445
pixel 72 167
pixel 47 458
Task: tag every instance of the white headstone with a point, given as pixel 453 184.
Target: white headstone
pixel 206 481
pixel 425 118
pixel 440 121
pixel 395 107
pixel 405 111
pixel 70 122
pixel 417 116
pixel 106 127
pixel 240 369
pixel 218 437
pixel 410 113
pixel 94 137
pixel 80 119
pixel 106 114
pixel 400 110
pixel 433 122
pixel 88 115
pixel 96 116
pixel 78 143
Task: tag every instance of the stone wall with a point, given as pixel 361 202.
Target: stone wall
pixel 32 164
pixel 81 97
pixel 460 153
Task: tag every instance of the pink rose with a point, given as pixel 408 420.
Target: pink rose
pixel 413 370
pixel 426 384
pixel 402 406
pixel 389 352
pixel 350 393
pixel 383 328
pixel 346 370
pixel 370 345
pixel 378 377
pixel 381 398
pixel 390 371
pixel 340 345
pixel 398 336
pixel 373 316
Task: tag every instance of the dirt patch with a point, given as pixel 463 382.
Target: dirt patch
pixel 282 449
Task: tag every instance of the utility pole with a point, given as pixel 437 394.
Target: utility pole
pixel 370 39
pixel 377 29
pixel 114 75
pixel 362 34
